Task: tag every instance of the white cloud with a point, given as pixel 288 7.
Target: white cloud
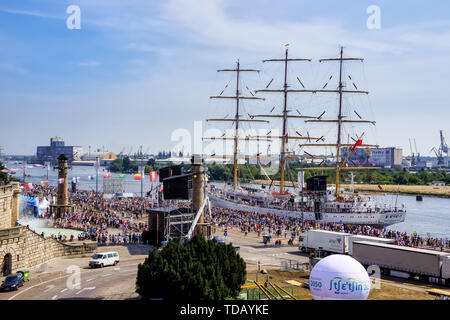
pixel 32 13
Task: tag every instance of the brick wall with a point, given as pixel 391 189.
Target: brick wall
pixel 28 249
pixel 9 205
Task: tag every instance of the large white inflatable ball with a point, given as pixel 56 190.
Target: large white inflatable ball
pixel 339 277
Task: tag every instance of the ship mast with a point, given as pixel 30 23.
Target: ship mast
pixel 338 147
pixel 340 90
pixel 285 137
pixel 283 140
pixel 237 117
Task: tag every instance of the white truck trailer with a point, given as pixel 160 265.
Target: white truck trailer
pixel 428 265
pixel 326 241
pixel 355 237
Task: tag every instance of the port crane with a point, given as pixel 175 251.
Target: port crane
pixel 417 151
pixel 413 160
pixel 443 149
pixel 438 156
pixel 120 155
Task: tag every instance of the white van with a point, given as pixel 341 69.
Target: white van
pixel 103 259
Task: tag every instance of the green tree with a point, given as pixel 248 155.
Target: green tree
pixel 4 177
pixel 197 269
pixel 151 162
pixel 220 172
pixel 116 165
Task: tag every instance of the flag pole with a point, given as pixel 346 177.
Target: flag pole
pixel 96 178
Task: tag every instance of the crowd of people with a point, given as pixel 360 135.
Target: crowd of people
pixel 119 220
pixel 116 220
pixel 291 227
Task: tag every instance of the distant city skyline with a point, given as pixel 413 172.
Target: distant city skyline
pixel 138 70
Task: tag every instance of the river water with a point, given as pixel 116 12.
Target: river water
pixel 430 217
pixel 39 174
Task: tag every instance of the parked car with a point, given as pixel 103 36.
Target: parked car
pixel 104 259
pixel 13 282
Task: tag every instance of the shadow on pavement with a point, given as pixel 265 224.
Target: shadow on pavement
pixel 133 249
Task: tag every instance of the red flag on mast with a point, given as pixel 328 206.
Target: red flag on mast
pixel 357 144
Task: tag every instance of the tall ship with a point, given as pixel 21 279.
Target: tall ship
pixel 314 200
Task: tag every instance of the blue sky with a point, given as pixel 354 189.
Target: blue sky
pixel 137 70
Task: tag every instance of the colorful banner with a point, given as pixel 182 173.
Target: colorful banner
pixel 153 176
pixel 107 175
pixel 60 181
pixel 137 176
pixel 122 175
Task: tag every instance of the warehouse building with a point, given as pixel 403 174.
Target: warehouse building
pixel 374 157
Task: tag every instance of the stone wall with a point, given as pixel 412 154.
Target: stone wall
pixel 9 205
pixel 28 249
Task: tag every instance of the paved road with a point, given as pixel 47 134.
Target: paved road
pixel 112 282
pixel 252 250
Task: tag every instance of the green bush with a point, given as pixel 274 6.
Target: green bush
pixel 4 177
pixel 195 270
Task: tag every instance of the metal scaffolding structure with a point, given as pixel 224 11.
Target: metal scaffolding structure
pixel 180 223
pixel 113 186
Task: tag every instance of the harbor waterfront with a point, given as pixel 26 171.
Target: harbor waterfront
pixel 428 218
pixel 38 174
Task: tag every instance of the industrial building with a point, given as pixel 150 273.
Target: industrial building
pixel 104 158
pixel 56 148
pixel 374 157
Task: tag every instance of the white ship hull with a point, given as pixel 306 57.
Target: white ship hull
pixel 376 219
